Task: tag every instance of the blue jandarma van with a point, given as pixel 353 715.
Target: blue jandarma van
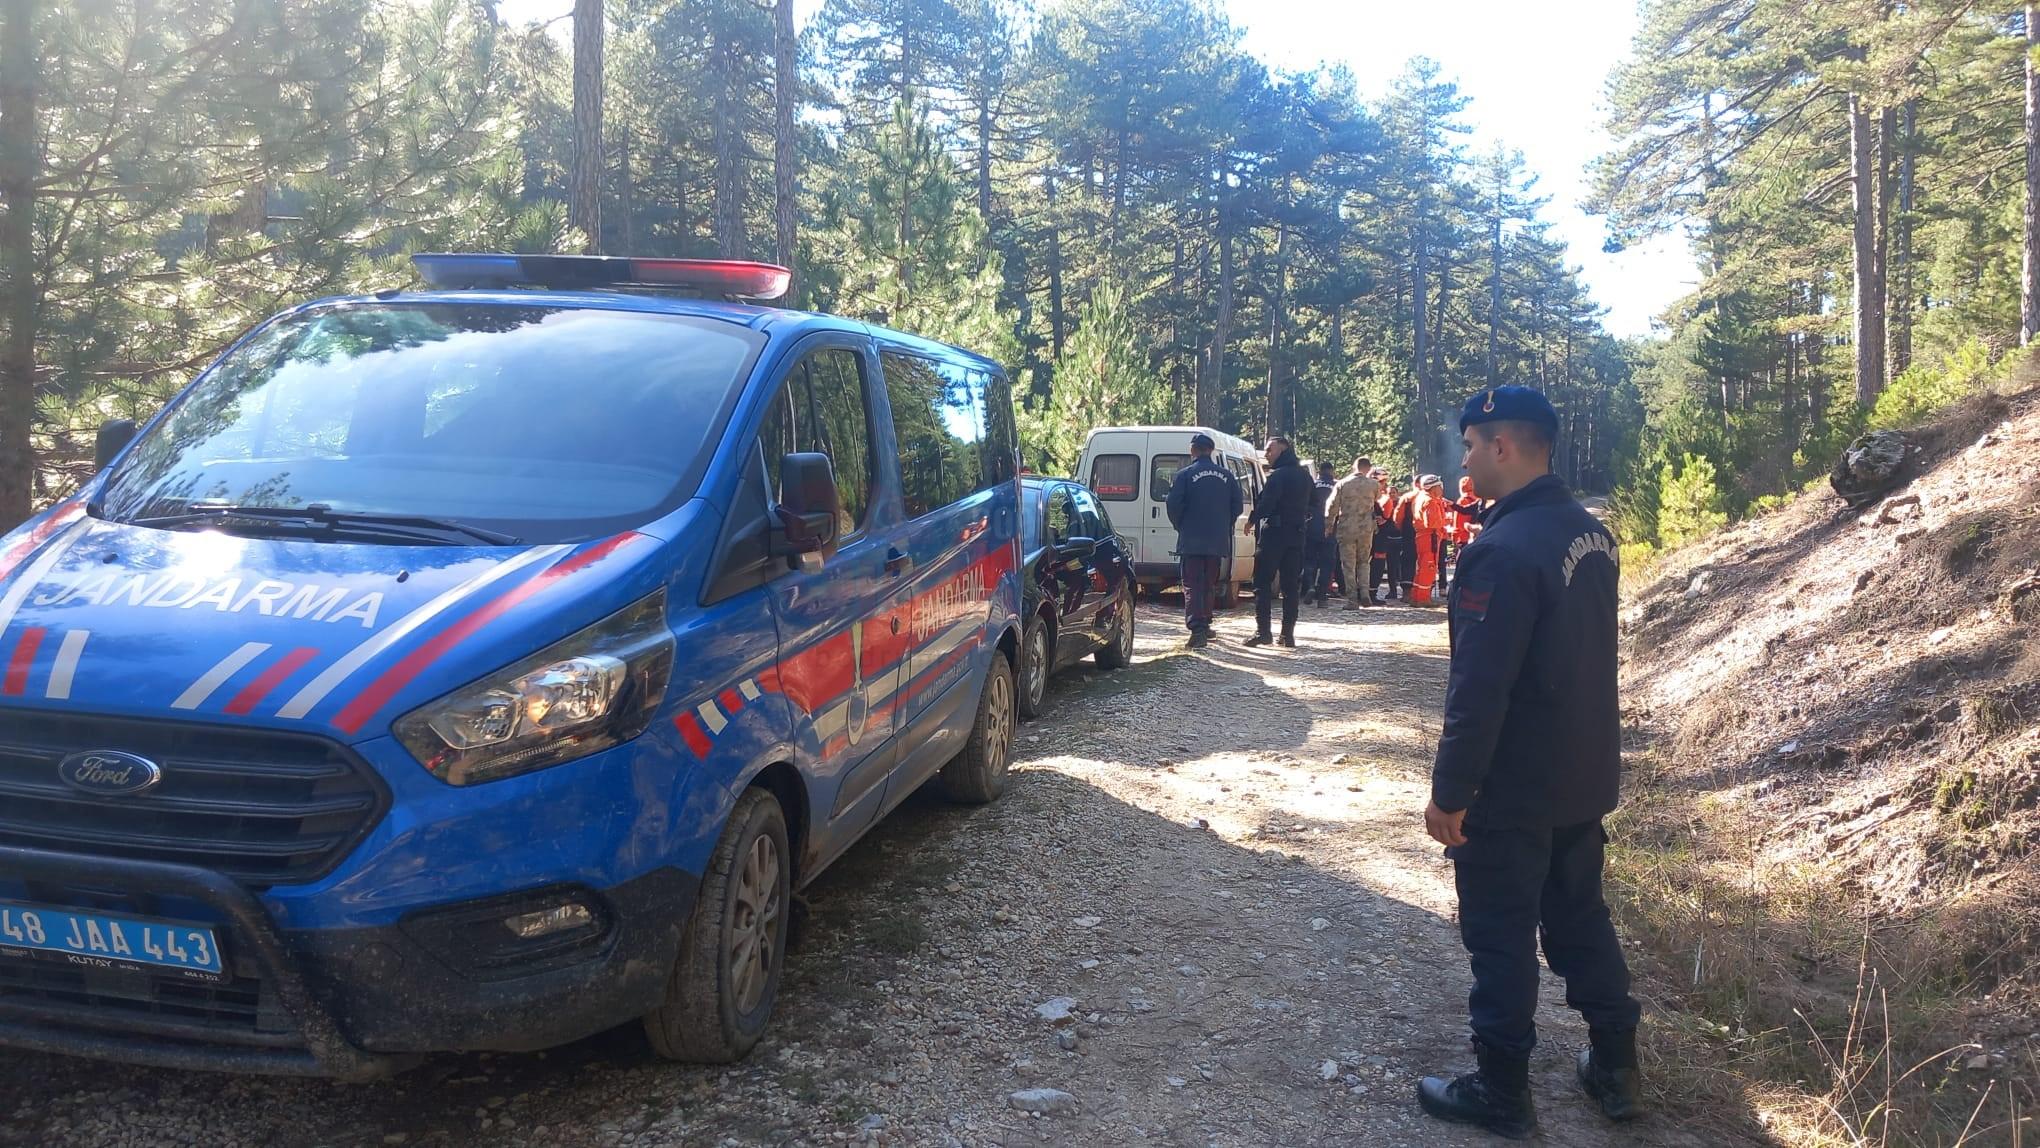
pixel 483 667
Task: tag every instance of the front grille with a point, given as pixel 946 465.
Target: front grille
pixel 259 806
pixel 237 1010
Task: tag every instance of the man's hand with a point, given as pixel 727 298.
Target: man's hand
pixel 1444 828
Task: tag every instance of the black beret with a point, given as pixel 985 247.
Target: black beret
pixel 1203 440
pixel 1509 404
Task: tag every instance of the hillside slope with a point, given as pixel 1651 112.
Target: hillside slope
pixel 1835 786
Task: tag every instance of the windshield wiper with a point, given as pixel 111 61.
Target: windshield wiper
pixel 406 526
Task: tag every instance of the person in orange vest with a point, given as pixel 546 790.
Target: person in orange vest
pixel 1406 530
pixel 1462 522
pixel 1427 531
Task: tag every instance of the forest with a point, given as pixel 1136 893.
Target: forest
pixel 1112 197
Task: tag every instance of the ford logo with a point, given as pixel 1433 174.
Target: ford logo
pixel 109 773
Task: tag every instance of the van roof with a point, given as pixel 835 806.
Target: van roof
pixel 1218 435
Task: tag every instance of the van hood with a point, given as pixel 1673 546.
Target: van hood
pixel 110 618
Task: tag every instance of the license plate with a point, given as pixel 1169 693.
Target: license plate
pixel 108 939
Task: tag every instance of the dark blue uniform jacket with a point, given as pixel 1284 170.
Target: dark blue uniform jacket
pixel 1283 510
pixel 1533 728
pixel 1204 503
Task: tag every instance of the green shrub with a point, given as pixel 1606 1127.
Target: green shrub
pixel 1637 560
pixel 1689 501
pixel 1922 392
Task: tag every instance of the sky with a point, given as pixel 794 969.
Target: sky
pixel 1534 70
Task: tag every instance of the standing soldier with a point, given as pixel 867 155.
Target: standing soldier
pixel 1280 515
pixel 1350 519
pixel 1204 502
pixel 1320 554
pixel 1527 766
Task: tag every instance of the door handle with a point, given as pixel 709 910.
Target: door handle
pixel 897 564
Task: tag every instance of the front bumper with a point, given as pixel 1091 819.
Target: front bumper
pixel 344 1003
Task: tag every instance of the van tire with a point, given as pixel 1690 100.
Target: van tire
pixel 1118 653
pixel 1226 595
pixel 977 775
pixel 1037 659
pixel 703 1019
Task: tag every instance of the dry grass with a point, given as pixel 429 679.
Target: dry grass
pixel 1786 998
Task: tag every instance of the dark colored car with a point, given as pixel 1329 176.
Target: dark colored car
pixel 1077 582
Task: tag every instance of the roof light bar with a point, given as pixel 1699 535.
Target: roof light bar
pixel 578 272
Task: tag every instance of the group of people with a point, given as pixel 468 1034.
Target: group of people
pixel 1362 537
pixel 1523 776
pixel 1404 536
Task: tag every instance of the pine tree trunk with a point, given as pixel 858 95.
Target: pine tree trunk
pixel 1438 328
pixel 1212 385
pixel 785 94
pixel 18 166
pixel 1880 259
pixel 585 203
pixel 906 55
pixel 1281 408
pixel 984 156
pixel 1420 298
pixel 1494 324
pixel 1899 286
pixel 1869 298
pixel 1118 196
pixel 729 151
pixel 680 200
pixel 2029 276
pixel 1055 275
pixel 626 194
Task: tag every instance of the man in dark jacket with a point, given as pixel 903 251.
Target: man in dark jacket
pixel 1527 766
pixel 1281 515
pixel 1320 552
pixel 1204 503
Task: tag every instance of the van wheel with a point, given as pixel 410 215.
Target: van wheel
pixel 726 978
pixel 978 774
pixel 1035 661
pixel 1119 651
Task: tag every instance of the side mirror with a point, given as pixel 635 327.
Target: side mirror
pixel 809 508
pixel 114 434
pixel 1078 548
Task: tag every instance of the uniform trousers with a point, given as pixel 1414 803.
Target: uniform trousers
pixel 1356 552
pixel 1517 886
pixel 1281 559
pixel 1200 582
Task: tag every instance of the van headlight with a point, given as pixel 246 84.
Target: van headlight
pixel 580 695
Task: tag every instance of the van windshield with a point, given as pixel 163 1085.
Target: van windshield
pixel 549 424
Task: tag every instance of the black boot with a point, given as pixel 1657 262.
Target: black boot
pixel 1609 1074
pixel 1259 640
pixel 1496 1097
pixel 1199 639
pixel 1289 637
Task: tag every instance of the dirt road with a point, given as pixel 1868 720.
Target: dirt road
pixel 1213 863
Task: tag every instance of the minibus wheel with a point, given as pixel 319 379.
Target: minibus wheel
pixel 978 773
pixel 726 978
